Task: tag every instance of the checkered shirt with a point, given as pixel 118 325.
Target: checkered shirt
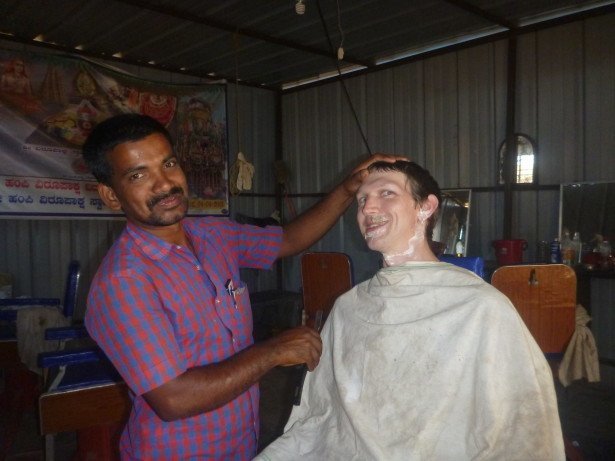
pixel 156 311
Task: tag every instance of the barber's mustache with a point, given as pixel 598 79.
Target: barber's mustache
pixel 151 203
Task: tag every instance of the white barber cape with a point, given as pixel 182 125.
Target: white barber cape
pixel 425 361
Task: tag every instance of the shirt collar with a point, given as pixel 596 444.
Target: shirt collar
pixel 153 247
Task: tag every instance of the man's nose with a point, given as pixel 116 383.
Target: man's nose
pixel 162 181
pixel 370 205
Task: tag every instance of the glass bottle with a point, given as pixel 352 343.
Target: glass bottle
pixel 578 247
pixel 568 253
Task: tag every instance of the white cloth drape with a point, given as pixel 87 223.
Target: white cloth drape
pixel 425 361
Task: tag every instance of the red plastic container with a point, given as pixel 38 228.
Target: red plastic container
pixel 509 251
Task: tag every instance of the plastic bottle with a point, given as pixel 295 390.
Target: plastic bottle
pixel 555 252
pixel 578 247
pixel 568 253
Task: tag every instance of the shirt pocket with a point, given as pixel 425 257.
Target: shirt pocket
pixel 242 315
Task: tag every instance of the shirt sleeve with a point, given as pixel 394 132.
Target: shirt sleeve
pixel 255 247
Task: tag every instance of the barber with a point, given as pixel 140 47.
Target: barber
pixel 169 309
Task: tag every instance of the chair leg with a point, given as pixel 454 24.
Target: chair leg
pixel 49 447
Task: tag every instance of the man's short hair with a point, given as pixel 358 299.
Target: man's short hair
pixel 421 183
pixel 112 132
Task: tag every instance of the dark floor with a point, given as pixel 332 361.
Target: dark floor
pixel 587 412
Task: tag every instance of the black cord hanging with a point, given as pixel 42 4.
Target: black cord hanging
pixel 341 80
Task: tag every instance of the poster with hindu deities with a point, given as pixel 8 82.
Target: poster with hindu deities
pixel 49 105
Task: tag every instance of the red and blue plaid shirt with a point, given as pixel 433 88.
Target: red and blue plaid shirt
pixel 157 311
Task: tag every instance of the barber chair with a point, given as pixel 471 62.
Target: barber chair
pixel 325 276
pixel 10 306
pixel 86 395
pixel 475 264
pixel 82 393
pixel 545 297
pixel 22 385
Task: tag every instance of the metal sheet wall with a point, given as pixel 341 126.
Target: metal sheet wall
pixel 448 113
pixel 252 130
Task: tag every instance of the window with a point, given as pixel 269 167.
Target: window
pixel 525 170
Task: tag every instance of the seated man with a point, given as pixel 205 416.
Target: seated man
pixel 424 361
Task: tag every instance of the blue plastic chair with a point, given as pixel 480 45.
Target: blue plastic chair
pixel 10 306
pixel 475 264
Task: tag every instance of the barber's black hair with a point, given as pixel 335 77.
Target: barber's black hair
pixel 421 182
pixel 115 131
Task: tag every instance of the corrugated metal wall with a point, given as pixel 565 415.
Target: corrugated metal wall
pixel 37 252
pixel 449 112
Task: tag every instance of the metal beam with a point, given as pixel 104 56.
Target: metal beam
pixel 468 7
pixel 214 23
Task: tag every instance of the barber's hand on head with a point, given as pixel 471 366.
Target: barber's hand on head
pixel 296 346
pixel 356 177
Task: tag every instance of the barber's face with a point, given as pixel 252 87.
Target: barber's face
pixel 387 213
pixel 147 183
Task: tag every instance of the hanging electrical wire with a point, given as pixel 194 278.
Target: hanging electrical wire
pixel 340 49
pixel 241 171
pixel 339 72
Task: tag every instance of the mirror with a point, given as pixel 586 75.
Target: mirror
pixel 588 208
pixel 451 229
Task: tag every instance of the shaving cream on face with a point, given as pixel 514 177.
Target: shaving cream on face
pixel 423 215
pixel 408 254
pixel 378 231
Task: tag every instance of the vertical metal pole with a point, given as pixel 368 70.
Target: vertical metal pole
pixel 279 187
pixel 510 156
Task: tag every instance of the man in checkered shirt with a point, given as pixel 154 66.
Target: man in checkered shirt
pixel 169 309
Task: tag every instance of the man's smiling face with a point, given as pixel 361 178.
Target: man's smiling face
pixel 387 214
pixel 147 183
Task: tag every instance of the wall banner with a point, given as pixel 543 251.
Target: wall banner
pixel 49 105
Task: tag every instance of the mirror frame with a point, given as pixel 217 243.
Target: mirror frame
pixel 601 211
pixel 463 197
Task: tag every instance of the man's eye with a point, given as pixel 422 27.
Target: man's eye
pixel 171 163
pixel 136 176
pixel 386 193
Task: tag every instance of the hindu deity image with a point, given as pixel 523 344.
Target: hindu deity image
pixel 201 150
pixel 16 88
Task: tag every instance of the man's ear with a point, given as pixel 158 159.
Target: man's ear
pixel 430 205
pixel 108 196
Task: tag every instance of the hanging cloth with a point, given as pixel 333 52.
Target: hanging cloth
pixel 581 356
pixel 241 174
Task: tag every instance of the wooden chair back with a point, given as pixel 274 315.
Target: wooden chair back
pixel 545 297
pixel 325 276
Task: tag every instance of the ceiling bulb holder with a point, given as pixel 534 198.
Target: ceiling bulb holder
pixel 300 7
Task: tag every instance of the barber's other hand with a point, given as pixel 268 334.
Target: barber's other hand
pixel 296 346
pixel 356 177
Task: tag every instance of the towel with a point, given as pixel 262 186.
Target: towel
pixel 581 356
pixel 31 325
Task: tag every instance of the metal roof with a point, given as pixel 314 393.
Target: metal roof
pixel 265 42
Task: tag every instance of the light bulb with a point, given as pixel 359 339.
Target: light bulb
pixel 299 7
